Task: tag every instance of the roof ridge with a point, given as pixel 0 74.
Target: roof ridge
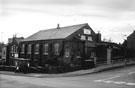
pixel 64 27
pixel 55 33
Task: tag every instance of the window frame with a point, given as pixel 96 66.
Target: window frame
pixel 56 48
pixel 90 38
pixel 83 37
pixel 45 48
pixel 36 48
pixel 29 49
pixel 22 48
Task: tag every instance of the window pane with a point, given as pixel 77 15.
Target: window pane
pixel 37 48
pixel 29 49
pixel 83 37
pixel 89 38
pixel 45 48
pixel 12 49
pixel 56 48
pixel 22 49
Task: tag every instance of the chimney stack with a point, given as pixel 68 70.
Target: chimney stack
pixel 58 26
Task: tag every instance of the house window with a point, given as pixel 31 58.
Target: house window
pixel 89 38
pixel 78 54
pixel 29 49
pixel 87 31
pixel 56 48
pixel 83 37
pixel 12 49
pixel 16 49
pixel 45 48
pixel 67 52
pixel 22 48
pixel 37 49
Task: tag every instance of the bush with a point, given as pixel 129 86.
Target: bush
pixel 4 68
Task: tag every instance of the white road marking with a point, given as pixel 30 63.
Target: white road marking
pixel 131 84
pixel 108 81
pixel 131 72
pixel 97 80
pixel 119 82
pixel 110 78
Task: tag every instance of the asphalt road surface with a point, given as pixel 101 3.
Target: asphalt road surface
pixel 116 78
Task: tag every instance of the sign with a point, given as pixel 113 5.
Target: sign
pixel 87 31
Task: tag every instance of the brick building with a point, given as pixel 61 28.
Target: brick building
pixel 70 45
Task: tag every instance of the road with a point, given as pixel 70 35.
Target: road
pixel 116 78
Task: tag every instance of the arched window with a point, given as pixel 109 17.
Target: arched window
pixel 56 48
pixel 45 48
pixel 22 48
pixel 29 49
pixel 37 49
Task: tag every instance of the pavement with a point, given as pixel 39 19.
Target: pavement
pixel 98 68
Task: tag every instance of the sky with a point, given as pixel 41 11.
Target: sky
pixel 115 19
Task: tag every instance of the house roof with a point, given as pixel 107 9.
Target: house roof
pixel 17 39
pixel 132 35
pixel 55 33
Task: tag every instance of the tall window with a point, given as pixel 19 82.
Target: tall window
pixel 16 49
pixel 56 48
pixel 22 48
pixel 45 48
pixel 37 49
pixel 29 49
pixel 12 49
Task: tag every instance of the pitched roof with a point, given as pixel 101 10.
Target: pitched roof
pixel 56 33
pixel 17 39
pixel 132 35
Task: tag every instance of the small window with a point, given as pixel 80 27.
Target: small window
pixel 89 38
pixel 83 37
pixel 45 48
pixel 29 49
pixel 87 31
pixel 22 48
pixel 56 48
pixel 37 49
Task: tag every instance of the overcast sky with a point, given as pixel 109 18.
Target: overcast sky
pixel 113 18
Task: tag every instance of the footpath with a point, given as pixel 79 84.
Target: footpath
pixel 98 68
